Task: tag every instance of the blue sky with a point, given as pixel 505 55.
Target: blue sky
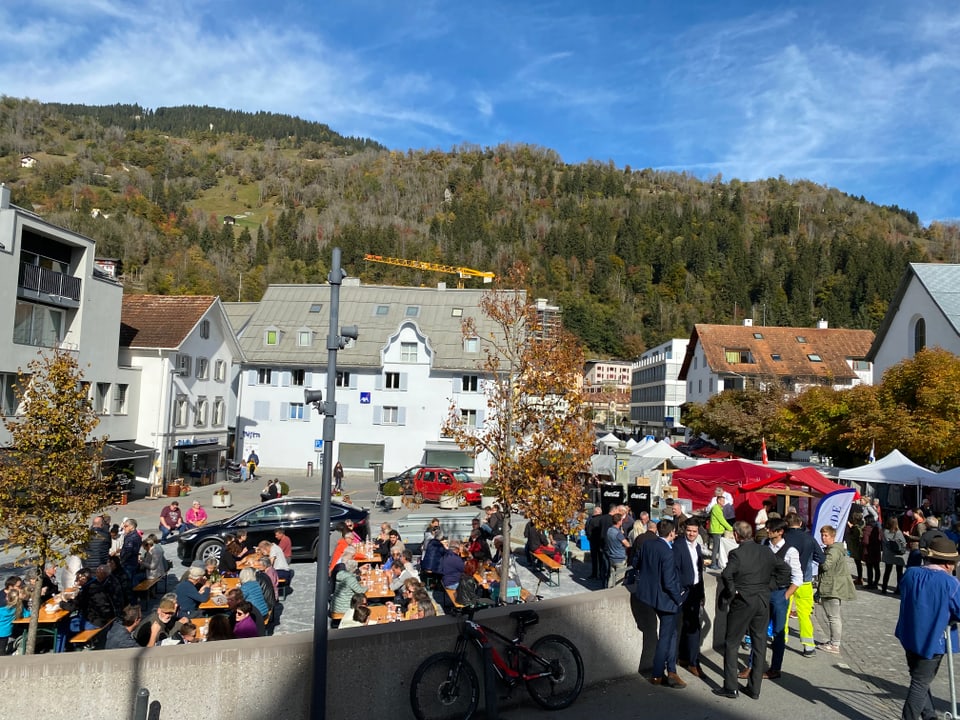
pixel 859 96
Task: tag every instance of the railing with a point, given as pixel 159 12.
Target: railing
pixel 41 280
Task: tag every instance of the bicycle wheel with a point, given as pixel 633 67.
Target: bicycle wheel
pixel 444 687
pixel 562 687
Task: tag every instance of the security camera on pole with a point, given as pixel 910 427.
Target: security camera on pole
pixel 335 341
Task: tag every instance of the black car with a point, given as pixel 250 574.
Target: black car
pixel 405 478
pixel 299 517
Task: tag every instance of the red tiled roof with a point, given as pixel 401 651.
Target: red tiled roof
pixel 834 346
pixel 160 321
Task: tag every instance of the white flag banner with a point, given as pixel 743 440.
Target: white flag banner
pixel 833 510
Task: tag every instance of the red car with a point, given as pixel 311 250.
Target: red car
pixel 431 482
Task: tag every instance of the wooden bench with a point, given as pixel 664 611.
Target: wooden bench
pixel 282 588
pixel 452 594
pixel 87 637
pixel 145 587
pixel 552 567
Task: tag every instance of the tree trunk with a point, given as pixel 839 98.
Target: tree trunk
pixel 35 607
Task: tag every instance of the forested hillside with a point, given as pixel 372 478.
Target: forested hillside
pixel 632 256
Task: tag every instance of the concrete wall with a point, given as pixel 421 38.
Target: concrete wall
pixel 369 668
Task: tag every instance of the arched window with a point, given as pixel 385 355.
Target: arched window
pixel 919 335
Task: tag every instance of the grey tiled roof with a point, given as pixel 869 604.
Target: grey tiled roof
pixel 940 280
pixel 287 308
pixel 943 284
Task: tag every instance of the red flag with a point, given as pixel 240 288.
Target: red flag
pixel 763 451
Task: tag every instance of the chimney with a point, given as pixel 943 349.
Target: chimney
pixel 822 324
pixel 4 197
pixel 748 322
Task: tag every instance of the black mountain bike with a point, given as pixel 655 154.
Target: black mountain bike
pixel 446 687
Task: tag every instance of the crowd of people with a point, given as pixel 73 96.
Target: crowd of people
pixel 96 588
pixel 446 576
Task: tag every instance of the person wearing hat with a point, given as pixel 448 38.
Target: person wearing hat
pixel 159 624
pixel 193 590
pixel 929 603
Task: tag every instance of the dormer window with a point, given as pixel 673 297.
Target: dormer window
pixel 271 337
pixel 738 356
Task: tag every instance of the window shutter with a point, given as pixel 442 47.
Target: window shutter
pixel 274 377
pixel 377 414
pixel 251 377
pixel 285 378
pixel 480 418
pixel 342 414
pixel 353 381
pixel 284 411
pixel 403 381
pixel 308 379
pixel 378 385
pixel 401 416
pixel 307 412
pixel 457 385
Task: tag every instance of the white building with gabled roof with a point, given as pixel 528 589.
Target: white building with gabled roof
pixel 395 383
pixel 924 312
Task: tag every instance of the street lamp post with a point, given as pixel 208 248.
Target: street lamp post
pixel 335 341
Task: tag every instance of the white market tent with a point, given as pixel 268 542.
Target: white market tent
pixel 948 479
pixel 895 468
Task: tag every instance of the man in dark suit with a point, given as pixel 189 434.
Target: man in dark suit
pixel 750 573
pixel 690 568
pixel 658 587
pixel 592 530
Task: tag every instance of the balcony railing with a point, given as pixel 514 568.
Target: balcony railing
pixel 47 282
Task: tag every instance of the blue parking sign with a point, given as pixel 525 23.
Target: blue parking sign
pixel 318 445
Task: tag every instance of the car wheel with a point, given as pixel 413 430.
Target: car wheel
pixel 211 549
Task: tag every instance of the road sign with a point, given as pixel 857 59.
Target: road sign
pixel 318 445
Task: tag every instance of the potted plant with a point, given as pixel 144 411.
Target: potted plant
pixel 222 498
pixel 390 491
pixel 488 495
pixel 451 499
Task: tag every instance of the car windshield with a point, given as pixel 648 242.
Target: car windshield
pixel 461 476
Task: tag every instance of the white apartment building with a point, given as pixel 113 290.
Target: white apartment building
pixel 723 357
pixel 189 358
pixel 57 298
pixel 656 392
pixel 395 384
pixel 606 389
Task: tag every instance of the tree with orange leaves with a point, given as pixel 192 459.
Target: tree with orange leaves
pixel 536 432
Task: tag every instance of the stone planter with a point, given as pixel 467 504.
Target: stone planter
pixel 222 501
pixel 449 502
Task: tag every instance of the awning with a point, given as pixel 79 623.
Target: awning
pixel 124 450
pixel 445 446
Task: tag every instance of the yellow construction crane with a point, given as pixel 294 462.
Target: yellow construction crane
pixel 460 272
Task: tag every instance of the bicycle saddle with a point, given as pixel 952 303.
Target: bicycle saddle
pixel 525 618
